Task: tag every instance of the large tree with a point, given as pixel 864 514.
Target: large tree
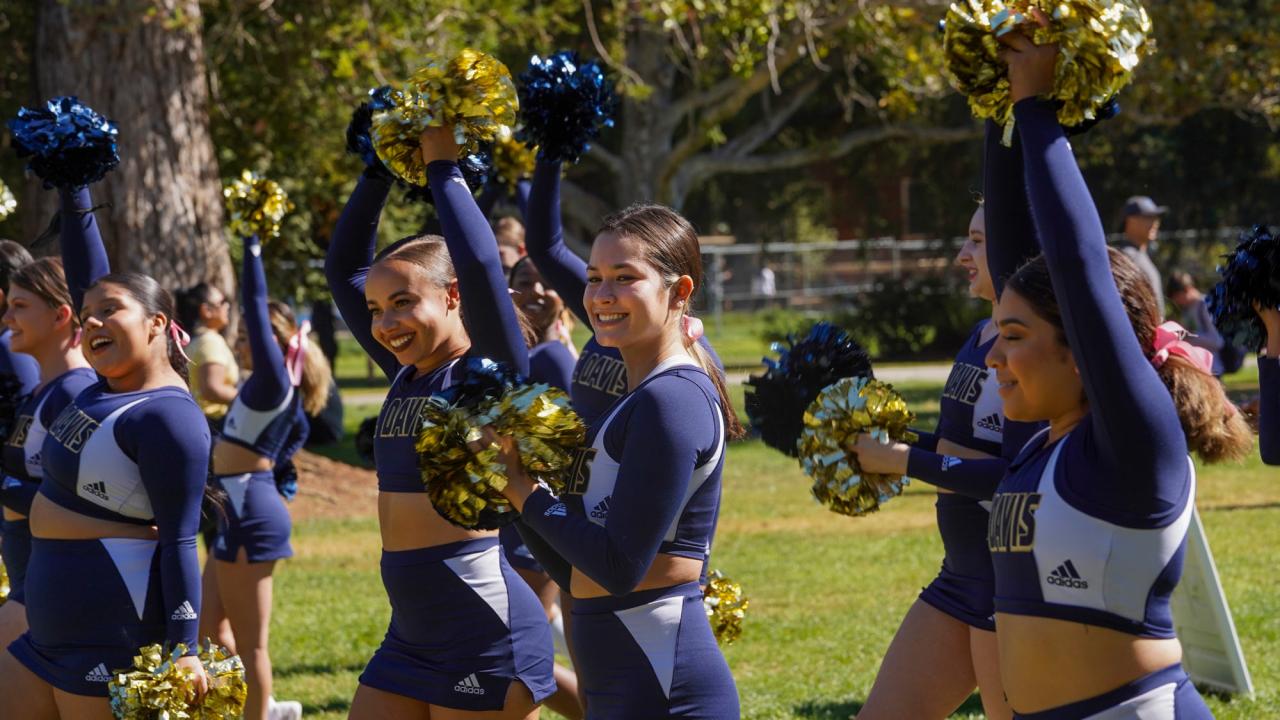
pixel 141 64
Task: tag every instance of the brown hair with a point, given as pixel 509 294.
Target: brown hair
pixel 155 300
pixel 430 255
pixel 45 279
pixel 1215 430
pixel 670 245
pixel 316 373
pixel 509 231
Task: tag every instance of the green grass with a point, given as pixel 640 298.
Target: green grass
pixel 827 592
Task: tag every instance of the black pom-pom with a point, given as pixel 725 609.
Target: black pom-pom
pixel 69 144
pixel 564 104
pixel 1109 110
pixel 1250 274
pixel 11 398
pixel 776 401
pixel 364 439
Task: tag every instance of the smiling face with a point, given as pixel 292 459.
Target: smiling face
pixel 120 337
pixel 540 303
pixel 419 321
pixel 1034 367
pixel 629 303
pixel 33 324
pixel 973 258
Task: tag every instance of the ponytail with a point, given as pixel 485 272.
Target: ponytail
pixel 733 429
pixel 1215 429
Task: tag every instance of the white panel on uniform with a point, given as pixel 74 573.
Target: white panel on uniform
pixel 245 424
pixel 482 572
pixel 236 486
pixel 132 558
pixel 988 411
pixel 1155 704
pixel 655 628
pixel 34 441
pixel 108 478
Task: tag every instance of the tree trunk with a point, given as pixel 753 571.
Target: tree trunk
pixel 142 65
pixel 645 146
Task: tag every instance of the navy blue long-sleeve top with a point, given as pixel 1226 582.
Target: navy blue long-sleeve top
pixel 137 457
pixel 266 416
pixel 1269 410
pixel 23 463
pixel 1091 528
pixel 493 326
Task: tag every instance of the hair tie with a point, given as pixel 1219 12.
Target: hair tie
pixel 297 353
pixel 180 338
pixel 1169 341
pixel 692 328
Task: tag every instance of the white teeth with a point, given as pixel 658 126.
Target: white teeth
pixel 610 317
pixel 99 342
pixel 401 342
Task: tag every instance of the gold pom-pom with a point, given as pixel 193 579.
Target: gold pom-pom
pixel 1101 42
pixel 4 582
pixel 843 410
pixel 726 606
pixel 513 161
pixel 466 487
pixel 157 688
pixel 255 206
pixel 8 203
pixel 473 92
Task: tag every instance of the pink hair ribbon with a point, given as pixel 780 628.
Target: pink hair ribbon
pixel 180 338
pixel 1169 341
pixel 692 328
pixel 297 353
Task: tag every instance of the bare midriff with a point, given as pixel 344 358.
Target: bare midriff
pixel 1046 663
pixel 232 459
pixel 12 515
pixel 946 447
pixel 51 521
pixel 666 571
pixel 408 521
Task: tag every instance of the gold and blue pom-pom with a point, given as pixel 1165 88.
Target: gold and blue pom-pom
pixel 726 606
pixel 465 487
pixel 842 411
pixel 1101 41
pixel 1249 274
pixel 68 143
pixel 472 92
pixel 776 400
pixel 8 203
pixel 513 161
pixel 157 688
pixel 565 102
pixel 255 206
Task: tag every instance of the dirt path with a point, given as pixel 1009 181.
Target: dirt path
pixel 331 489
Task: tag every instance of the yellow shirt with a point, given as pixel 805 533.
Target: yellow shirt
pixel 210 347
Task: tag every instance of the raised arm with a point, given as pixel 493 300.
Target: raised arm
pixel 544 240
pixel 269 383
pixel 1011 233
pixel 347 263
pixel 84 258
pixel 1133 416
pixel 494 328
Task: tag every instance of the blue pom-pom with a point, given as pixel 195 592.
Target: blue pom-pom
pixel 1250 273
pixel 69 144
pixel 1110 109
pixel 564 104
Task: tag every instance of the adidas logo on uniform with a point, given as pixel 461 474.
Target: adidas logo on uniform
pixel 601 510
pixel 1066 576
pixel 10 482
pixel 184 612
pixel 99 674
pixel 557 510
pixel 98 489
pixel 949 462
pixel 469 685
pixel 991 422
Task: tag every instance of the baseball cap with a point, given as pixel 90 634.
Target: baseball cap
pixel 1143 205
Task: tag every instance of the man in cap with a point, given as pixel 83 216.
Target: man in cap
pixel 1141 226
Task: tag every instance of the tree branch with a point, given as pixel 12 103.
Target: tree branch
pixel 606 159
pixel 585 209
pixel 747 142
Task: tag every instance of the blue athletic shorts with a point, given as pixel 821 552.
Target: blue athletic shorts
pixel 1163 695
pixel 517 553
pixel 463 627
pixel 256 519
pixel 965 586
pixel 16 550
pixel 651 654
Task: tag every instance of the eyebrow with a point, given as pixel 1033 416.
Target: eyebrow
pixel 616 266
pixel 1010 321
pixel 392 297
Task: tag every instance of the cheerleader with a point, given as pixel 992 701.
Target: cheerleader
pixel 42 325
pixel 467 637
pixel 630 537
pixel 947 642
pixel 19 373
pixel 264 427
pixel 1269 378
pixel 113 556
pixel 1089 525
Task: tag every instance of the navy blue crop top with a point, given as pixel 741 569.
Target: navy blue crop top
pixel 649 484
pixel 552 363
pixel 23 458
pixel 1092 528
pixel 266 416
pixel 397 430
pixel 1269 410
pixel 20 367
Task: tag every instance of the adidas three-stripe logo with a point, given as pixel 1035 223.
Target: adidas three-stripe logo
pixel 1066 576
pixel 98 489
pixel 99 674
pixel 557 510
pixel 469 685
pixel 184 612
pixel 601 510
pixel 991 422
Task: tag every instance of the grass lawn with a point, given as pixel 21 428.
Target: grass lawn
pixel 827 592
